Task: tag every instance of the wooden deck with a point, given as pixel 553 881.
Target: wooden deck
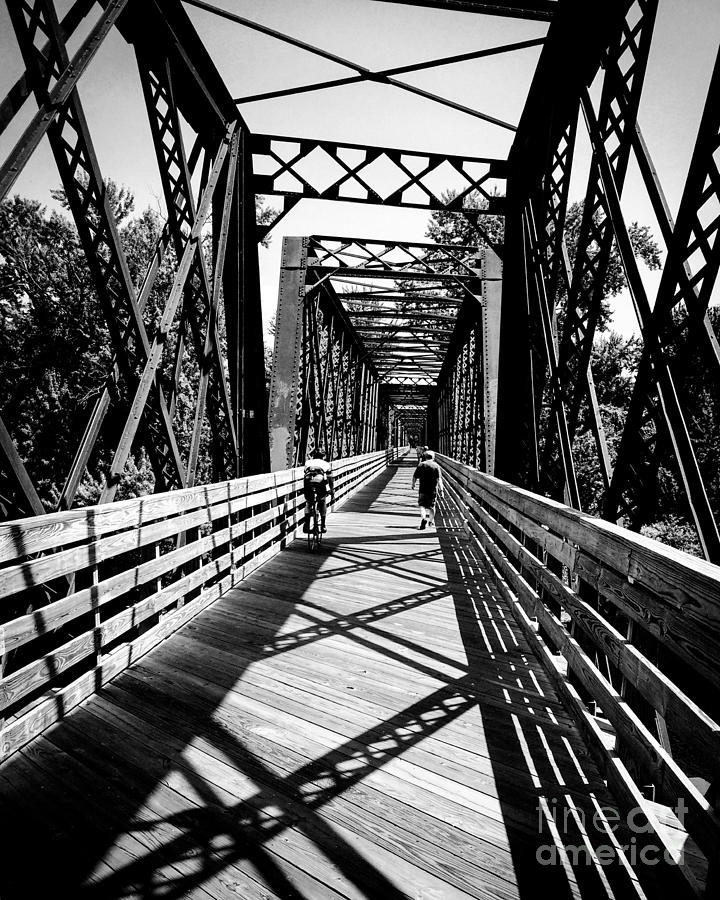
pixel 367 722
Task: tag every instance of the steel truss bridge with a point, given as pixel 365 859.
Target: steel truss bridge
pixel 523 700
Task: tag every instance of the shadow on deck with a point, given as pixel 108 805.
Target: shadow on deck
pixel 363 722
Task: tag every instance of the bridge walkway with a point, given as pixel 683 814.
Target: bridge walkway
pixel 365 722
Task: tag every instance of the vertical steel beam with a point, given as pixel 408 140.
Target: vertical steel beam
pixel 18 497
pixel 491 319
pixel 286 388
pixel 245 342
pixel 210 359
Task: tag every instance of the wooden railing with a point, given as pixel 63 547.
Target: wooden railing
pixel 629 631
pixel 87 592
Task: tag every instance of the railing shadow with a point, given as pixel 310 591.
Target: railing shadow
pixel 579 844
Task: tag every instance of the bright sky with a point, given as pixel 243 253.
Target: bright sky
pixel 378 35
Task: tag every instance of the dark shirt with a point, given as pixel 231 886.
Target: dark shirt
pixel 428 475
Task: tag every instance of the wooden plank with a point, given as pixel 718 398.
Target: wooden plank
pixel 277 798
pixel 14 579
pixel 657 764
pixel 399 663
pixel 689 721
pixel 618 778
pixel 301 755
pixel 25 628
pixel 24 537
pixel 687 585
pixel 286 714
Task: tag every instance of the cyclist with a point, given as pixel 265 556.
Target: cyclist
pixel 318 478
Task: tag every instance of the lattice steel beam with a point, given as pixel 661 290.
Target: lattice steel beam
pixel 35 21
pixel 22 89
pixel 287 164
pixel 199 308
pixel 671 407
pixel 79 171
pixel 538 10
pixel 574 49
pixel 625 66
pixel 187 264
pixel 680 308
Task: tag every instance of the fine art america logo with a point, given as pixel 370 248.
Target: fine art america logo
pixel 624 836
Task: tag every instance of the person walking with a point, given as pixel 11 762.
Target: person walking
pixel 429 477
pixel 318 478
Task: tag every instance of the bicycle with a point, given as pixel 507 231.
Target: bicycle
pixel 314 524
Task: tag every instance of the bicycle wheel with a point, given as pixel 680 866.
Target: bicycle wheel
pixel 311 531
pixel 315 536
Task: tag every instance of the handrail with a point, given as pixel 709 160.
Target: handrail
pixel 590 595
pixel 86 592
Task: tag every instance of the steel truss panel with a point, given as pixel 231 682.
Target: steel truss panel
pixel 179 79
pixel 324 388
pixel 680 310
pixel 200 302
pixel 77 164
pixel 285 172
pixel 539 10
pixel 462 408
pixel 326 352
pixel 625 66
pixel 574 49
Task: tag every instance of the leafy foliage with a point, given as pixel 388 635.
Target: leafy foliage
pixel 54 348
pixel 55 351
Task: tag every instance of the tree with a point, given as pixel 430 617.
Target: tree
pixel 55 352
pixel 452 228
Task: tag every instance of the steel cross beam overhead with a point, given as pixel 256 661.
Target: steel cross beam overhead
pixel 539 10
pixel 362 173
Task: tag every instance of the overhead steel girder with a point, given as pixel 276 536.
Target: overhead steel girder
pixel 538 10
pixel 286 164
pixel 412 258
